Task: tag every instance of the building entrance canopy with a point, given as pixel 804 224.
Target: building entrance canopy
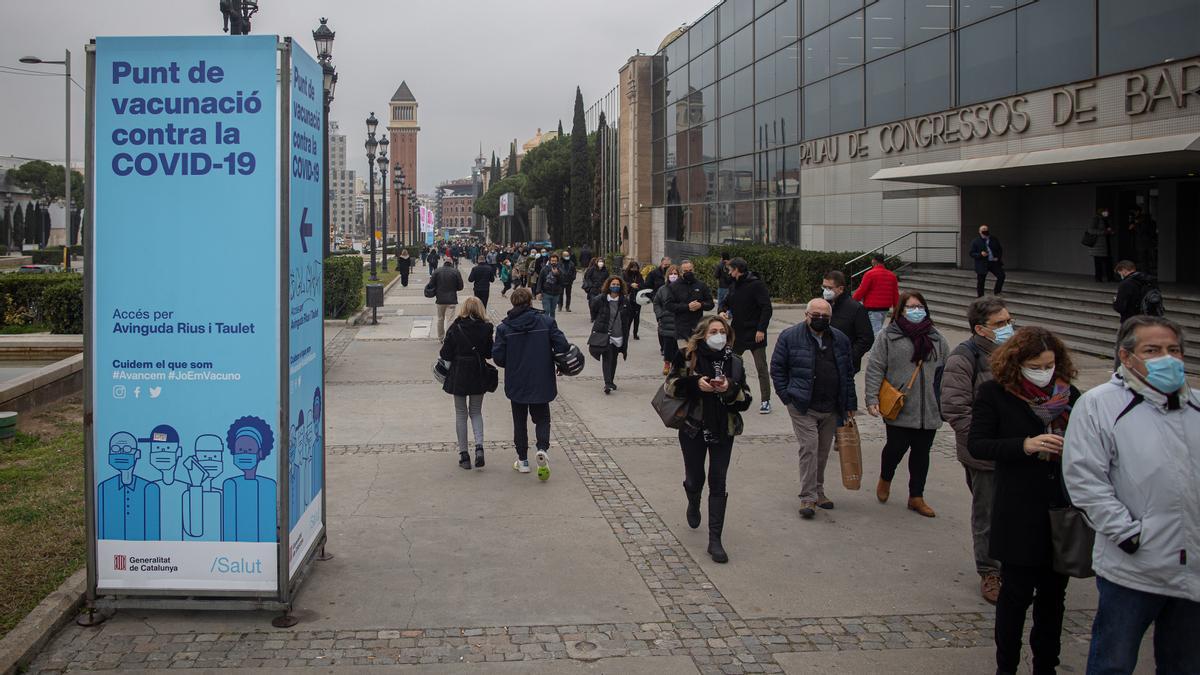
pixel 1121 160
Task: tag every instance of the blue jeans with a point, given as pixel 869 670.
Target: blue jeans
pixel 721 293
pixel 1121 621
pixel 877 318
pixel 549 304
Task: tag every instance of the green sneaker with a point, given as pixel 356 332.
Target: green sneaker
pixel 543 465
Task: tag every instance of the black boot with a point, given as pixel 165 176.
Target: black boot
pixel 464 459
pixel 716 523
pixel 479 457
pixel 693 509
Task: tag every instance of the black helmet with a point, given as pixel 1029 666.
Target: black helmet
pixel 570 362
pixel 441 368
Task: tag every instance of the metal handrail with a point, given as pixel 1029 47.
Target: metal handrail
pixel 915 246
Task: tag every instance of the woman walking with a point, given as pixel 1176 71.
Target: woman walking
pixel 1018 422
pixel 610 329
pixel 907 355
pixel 633 283
pixel 467 347
pixel 593 281
pixel 666 320
pixel 506 277
pixel 712 379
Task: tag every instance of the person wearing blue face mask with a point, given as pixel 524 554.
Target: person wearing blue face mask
pixel 1130 461
pixel 248 500
pixel 165 452
pixel 966 370
pixel 908 355
pixel 127 505
pixel 201 501
pixel 611 328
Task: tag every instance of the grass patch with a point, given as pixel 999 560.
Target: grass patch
pixel 24 330
pixel 42 537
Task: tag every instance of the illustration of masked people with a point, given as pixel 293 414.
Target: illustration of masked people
pixel 297 482
pixel 201 501
pixel 165 453
pixel 127 506
pixel 314 446
pixel 248 500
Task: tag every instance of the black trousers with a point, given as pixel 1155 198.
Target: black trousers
pixel 404 277
pixel 565 297
pixel 1103 268
pixel 997 270
pixel 608 363
pixel 668 347
pixel 483 296
pixel 694 451
pixel 540 413
pixel 1019 587
pixel 915 442
pixel 637 318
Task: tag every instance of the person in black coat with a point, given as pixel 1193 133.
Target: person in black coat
pixel 688 300
pixel 849 316
pixel 585 256
pixel 593 280
pixel 634 283
pixel 404 264
pixel 467 347
pixel 482 276
pixel 431 258
pixel 570 272
pixel 988 255
pixel 610 329
pixel 446 282
pixel 1133 287
pixel 657 278
pixel 747 305
pixel 1018 421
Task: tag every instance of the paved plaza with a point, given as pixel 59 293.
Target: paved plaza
pixel 441 570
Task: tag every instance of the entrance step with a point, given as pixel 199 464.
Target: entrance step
pixel 1078 310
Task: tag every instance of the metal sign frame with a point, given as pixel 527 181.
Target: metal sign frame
pixel 287 586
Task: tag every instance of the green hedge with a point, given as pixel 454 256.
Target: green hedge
pixel 62 306
pixel 47 256
pixel 21 296
pixel 791 274
pixel 343 286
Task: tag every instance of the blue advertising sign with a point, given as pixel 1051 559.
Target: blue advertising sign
pixel 306 407
pixel 185 333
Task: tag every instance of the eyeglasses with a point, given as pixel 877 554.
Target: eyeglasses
pixel 123 449
pixel 1002 324
pixel 819 316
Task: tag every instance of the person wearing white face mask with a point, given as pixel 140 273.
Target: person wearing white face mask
pixel 666 318
pixel 1018 422
pixel 849 316
pixel 1131 461
pixel 907 355
pixel 712 379
pixel 966 370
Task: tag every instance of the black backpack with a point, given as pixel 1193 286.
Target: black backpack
pixel 1152 300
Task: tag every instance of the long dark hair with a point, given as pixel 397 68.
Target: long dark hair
pixel 611 279
pixel 1027 343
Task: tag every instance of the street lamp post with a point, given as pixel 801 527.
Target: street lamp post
pixel 411 193
pixel 398 185
pixel 382 160
pixel 371 145
pixel 323 38
pixel 66 64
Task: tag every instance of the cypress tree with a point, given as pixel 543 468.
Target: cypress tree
pixel 512 160
pixel 560 131
pixel 580 210
pixel 31 224
pixel 18 228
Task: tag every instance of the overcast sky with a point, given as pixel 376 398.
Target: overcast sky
pixel 482 70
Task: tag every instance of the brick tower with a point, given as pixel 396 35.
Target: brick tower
pixel 402 130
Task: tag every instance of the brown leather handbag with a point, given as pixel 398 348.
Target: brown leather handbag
pixel 891 399
pixel 849 449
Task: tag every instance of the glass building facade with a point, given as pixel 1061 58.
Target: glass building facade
pixel 738 94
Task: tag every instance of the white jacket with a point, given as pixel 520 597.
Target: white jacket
pixel 1140 474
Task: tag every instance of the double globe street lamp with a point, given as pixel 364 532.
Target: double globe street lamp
pixel 323 38
pixel 382 160
pixel 398 186
pixel 371 145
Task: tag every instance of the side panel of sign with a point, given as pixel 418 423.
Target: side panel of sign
pixel 306 470
pixel 186 299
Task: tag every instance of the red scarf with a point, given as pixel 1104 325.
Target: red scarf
pixel 1053 408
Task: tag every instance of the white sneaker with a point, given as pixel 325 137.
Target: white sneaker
pixel 521 465
pixel 765 408
pixel 543 464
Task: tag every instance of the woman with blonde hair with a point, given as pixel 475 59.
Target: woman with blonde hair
pixel 712 379
pixel 467 347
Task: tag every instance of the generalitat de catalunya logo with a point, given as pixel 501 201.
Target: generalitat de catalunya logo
pixel 119 563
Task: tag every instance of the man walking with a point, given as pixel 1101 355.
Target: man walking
pixel 526 342
pixel 658 276
pixel 688 299
pixel 721 274
pixel 568 271
pixel 879 292
pixel 550 283
pixel 431 258
pixel 814 378
pixel 1130 461
pixel 988 255
pixel 447 281
pixel 482 276
pixel 966 369
pixel 1131 292
pixel 849 316
pixel 748 309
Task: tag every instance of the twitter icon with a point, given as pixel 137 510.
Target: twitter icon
pixel 155 392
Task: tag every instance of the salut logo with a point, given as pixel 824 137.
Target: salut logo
pixel 119 563
pixel 224 564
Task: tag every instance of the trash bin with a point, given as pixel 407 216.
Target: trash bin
pixel 374 295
